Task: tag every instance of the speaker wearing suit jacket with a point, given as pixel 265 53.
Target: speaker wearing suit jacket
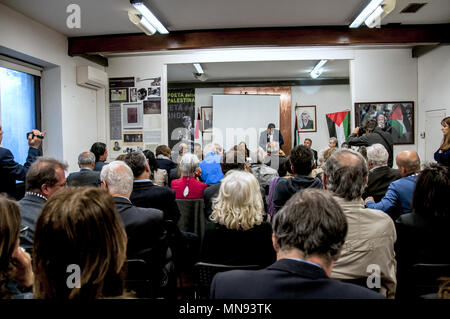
pixel 285 279
pixel 264 138
pixel 85 177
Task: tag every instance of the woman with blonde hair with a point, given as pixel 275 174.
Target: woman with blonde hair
pixel 442 155
pixel 238 235
pixel 16 274
pixel 79 247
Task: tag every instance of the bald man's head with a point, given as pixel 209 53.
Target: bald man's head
pixel 408 162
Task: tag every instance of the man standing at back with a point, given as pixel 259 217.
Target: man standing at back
pixel 398 198
pixel 369 245
pixel 270 135
pixel 374 134
pixel 86 176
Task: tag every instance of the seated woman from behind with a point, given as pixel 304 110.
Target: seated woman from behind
pixel 16 274
pixel 188 185
pixel 238 234
pixel 79 247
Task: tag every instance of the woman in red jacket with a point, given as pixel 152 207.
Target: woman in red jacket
pixel 188 185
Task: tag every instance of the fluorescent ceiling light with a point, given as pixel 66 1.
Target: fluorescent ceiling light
pixel 318 69
pixel 141 23
pixel 147 14
pixel 368 10
pixel 198 67
pixel 372 20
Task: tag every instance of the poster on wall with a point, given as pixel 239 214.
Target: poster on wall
pixel 133 138
pixel 132 115
pixel 181 116
pixel 115 121
pixel 152 106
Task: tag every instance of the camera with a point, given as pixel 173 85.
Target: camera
pixel 33 135
pixel 361 131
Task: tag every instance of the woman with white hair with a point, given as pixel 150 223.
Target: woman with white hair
pixel 262 172
pixel 238 235
pixel 188 185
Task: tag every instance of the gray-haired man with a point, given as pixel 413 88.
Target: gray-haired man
pixel 86 176
pixel 369 247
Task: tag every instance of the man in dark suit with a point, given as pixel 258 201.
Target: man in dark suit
pixel 44 178
pixel 86 176
pixel 147 237
pixel 10 170
pixel 270 135
pixel 373 135
pixel 101 154
pixel 380 176
pixel 308 235
pixel 308 142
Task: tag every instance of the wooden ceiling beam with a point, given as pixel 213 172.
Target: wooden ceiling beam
pixel 305 36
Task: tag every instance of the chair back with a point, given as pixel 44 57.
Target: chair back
pixel 192 218
pixel 205 272
pixel 139 278
pixel 425 278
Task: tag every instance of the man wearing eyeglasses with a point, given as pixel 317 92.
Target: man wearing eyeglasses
pixel 10 170
pixel 45 177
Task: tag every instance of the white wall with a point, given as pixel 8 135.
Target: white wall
pixel 73 116
pixel 433 87
pixel 385 75
pixel 327 99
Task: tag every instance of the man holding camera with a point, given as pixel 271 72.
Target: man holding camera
pixel 373 135
pixel 10 170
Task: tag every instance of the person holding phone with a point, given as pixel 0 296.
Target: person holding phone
pixel 10 170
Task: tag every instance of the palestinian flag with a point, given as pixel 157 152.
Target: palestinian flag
pixel 197 128
pixel 339 126
pixel 297 133
pixel 396 120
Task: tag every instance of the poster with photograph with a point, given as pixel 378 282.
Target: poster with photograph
pixel 396 118
pixel 152 106
pixel 141 94
pixel 118 95
pixel 181 116
pixel 154 91
pixel 306 118
pixel 132 114
pixel 116 146
pixel 133 94
pixel 207 118
pixel 156 82
pixel 133 138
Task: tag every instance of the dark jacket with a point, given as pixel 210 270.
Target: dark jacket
pixel 146 235
pixel 442 158
pixel 98 166
pixel 237 247
pixel 10 171
pixel 208 194
pixel 286 187
pixel 285 279
pixel 85 177
pixel 379 180
pixel 167 164
pixel 378 136
pixel 146 194
pixel 30 207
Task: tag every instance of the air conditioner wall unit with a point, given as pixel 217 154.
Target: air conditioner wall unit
pixel 91 77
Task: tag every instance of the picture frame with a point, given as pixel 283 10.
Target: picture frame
pixel 207 118
pixel 118 95
pixel 306 117
pixel 396 118
pixel 132 115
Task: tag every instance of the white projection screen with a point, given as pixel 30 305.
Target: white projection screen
pixel 238 117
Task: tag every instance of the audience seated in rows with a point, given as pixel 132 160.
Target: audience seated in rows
pixel 147 237
pixel 157 176
pixel 380 175
pixel 163 153
pixel 238 235
pixel 101 155
pixel 308 142
pixel 188 185
pixel 423 233
pixel 263 173
pixel 397 200
pixel 302 163
pixel 16 275
pixel 371 233
pixel 44 178
pixel 80 245
pixel 284 171
pixel 275 156
pixel 176 156
pixel 308 235
pixel 210 166
pixel 86 176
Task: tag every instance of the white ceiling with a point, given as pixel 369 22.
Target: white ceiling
pixel 110 16
pixel 257 71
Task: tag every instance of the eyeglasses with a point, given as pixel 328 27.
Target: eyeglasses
pixel 23 229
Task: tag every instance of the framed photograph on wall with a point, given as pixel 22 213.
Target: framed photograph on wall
pixel 207 118
pixel 132 114
pixel 306 117
pixel 118 95
pixel 396 118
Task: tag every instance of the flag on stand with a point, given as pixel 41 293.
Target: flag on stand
pixel 396 120
pixel 339 125
pixel 197 126
pixel 297 132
